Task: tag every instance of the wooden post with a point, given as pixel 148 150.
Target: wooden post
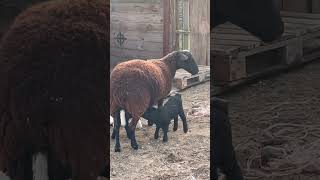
pixel 166 26
pixel 224 157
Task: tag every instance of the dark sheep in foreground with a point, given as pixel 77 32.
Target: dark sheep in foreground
pixel 53 90
pixel 170 109
pixel 137 85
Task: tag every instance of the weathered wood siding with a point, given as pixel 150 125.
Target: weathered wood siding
pixel 173 38
pixel 304 6
pixel 141 22
pixel 200 31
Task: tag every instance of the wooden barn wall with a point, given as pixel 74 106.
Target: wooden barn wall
pixel 141 22
pixel 304 6
pixel 200 31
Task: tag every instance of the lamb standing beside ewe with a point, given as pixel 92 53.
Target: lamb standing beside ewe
pixel 136 85
pixel 170 109
pixel 162 116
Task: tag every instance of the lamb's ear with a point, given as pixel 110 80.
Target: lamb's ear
pixel 182 56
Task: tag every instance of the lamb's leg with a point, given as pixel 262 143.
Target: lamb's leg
pixel 184 120
pixel 156 133
pixel 175 123
pixel 133 125
pixel 117 124
pixel 165 133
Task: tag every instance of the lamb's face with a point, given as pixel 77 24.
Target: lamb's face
pixel 185 61
pixel 151 114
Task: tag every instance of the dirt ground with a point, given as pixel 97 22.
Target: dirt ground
pixel 276 125
pixel 184 156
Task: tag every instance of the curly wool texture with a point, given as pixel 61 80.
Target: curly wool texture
pixel 137 84
pixel 53 74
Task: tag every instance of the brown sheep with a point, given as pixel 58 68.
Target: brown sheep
pixel 136 85
pixel 53 90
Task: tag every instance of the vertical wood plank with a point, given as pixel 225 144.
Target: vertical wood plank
pixel 200 30
pixel 315 6
pixel 173 41
pixel 166 26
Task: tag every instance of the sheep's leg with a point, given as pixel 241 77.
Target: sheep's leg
pixel 150 122
pixel 184 120
pixel 156 133
pixel 133 125
pixel 175 123
pixel 113 136
pixel 56 170
pixel 117 125
pixel 21 169
pixel 127 130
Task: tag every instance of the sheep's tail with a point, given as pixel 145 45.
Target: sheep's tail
pixel 40 167
pixel 123 117
pixel 111 120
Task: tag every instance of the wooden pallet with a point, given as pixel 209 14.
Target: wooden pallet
pixel 307 28
pixel 238 56
pixel 183 79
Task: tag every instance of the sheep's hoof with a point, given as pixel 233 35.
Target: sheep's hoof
pixel 117 149
pixel 156 136
pixel 175 128
pixel 165 140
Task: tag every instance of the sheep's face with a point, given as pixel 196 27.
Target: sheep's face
pixel 185 61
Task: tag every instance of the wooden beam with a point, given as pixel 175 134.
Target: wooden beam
pixel 166 26
pixel 315 6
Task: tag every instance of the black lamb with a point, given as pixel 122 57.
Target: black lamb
pixel 162 116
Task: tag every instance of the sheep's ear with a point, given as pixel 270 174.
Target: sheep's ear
pixel 182 56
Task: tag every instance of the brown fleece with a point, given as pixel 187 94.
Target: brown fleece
pixel 53 91
pixel 137 84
